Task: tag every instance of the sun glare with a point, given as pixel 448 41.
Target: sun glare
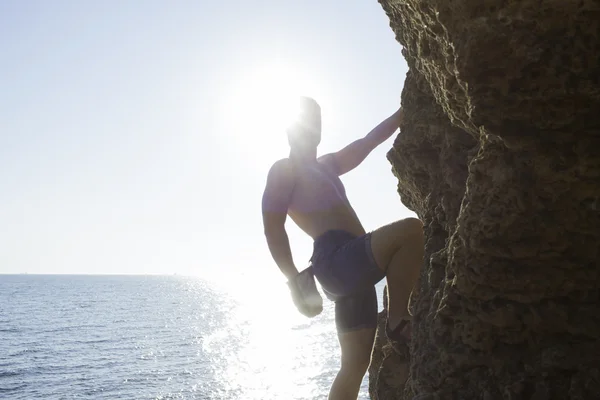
pixel 262 103
pixel 275 343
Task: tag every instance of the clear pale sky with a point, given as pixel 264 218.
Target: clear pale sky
pixel 131 137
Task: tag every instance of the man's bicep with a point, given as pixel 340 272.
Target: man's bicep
pixel 350 156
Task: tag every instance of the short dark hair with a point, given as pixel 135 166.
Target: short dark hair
pixel 306 129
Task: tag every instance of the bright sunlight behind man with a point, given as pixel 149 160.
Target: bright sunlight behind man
pixel 263 102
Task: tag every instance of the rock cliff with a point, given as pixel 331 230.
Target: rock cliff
pixel 499 155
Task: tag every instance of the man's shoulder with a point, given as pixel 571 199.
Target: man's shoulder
pixel 282 169
pixel 282 163
pixel 283 166
pixel 329 161
pixel 326 158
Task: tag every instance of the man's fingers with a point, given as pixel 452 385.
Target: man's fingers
pixel 311 311
pixel 306 308
pixel 400 115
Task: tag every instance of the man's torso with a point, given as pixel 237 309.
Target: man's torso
pixel 319 202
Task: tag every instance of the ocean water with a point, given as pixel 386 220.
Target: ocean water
pixel 160 337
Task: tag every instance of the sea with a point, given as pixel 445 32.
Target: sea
pixel 161 337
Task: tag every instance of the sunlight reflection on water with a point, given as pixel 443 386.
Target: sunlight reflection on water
pixel 281 354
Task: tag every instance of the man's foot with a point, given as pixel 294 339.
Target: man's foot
pixel 401 333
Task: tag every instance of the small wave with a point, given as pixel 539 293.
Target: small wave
pixel 68 328
pixel 21 352
pixel 12 389
pixel 93 341
pixel 8 374
pixel 10 330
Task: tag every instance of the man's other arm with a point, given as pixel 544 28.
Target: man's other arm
pixel 352 155
pixel 275 202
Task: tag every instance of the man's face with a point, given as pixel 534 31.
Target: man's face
pixel 305 131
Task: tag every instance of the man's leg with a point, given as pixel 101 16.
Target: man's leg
pixel 356 355
pixel 398 250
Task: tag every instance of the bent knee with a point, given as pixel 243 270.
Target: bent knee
pixel 410 227
pixel 413 223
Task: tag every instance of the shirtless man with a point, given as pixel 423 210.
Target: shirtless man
pixel 347 261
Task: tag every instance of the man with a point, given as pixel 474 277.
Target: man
pixel 346 261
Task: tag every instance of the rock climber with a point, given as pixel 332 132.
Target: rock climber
pixel 347 261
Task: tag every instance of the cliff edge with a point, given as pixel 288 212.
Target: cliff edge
pixel 499 155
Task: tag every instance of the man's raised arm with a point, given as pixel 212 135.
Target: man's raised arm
pixel 275 202
pixel 352 155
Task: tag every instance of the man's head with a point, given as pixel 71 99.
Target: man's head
pixel 305 132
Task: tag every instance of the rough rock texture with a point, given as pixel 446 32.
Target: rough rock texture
pixel 500 156
pixel 389 368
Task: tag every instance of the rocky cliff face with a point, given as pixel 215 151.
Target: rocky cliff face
pixel 500 156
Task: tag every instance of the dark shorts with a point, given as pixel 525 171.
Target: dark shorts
pixel 345 267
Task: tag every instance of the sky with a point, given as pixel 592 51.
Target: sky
pixel 135 138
